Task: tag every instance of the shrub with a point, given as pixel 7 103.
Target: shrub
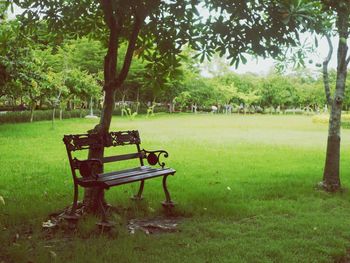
pixel 321 118
pixel 324 118
pixel 42 115
pixel 39 115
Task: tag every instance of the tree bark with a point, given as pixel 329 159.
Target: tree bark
pixel 32 108
pixel 53 114
pixel 331 179
pixel 92 195
pixel 123 105
pixel 325 71
pixel 137 100
pixel 53 117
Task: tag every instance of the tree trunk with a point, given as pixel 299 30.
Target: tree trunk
pixel 92 195
pixel 331 179
pixel 137 100
pixel 325 71
pixel 32 108
pixel 53 114
pixel 122 109
pixel 112 82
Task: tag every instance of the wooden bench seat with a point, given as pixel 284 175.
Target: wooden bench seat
pixel 107 180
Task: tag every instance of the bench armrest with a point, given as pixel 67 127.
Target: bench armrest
pixel 89 168
pixel 153 157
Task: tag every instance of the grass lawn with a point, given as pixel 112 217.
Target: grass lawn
pixel 245 187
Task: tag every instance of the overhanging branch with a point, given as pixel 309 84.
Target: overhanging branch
pixel 130 51
pixel 325 70
pixel 111 57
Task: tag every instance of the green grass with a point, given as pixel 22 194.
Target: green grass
pixel 273 213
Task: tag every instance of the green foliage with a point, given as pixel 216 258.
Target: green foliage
pixel 83 53
pixel 36 73
pixel 183 99
pixel 71 69
pixel 82 84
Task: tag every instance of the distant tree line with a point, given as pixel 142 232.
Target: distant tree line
pixel 67 74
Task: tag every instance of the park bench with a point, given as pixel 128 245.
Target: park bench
pixel 90 169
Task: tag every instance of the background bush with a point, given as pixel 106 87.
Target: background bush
pixel 44 115
pixel 324 118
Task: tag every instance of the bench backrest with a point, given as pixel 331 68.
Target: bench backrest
pixel 78 142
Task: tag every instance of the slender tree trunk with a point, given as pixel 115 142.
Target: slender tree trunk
pixel 53 114
pixel 331 179
pixel 123 105
pixel 137 100
pixel 325 71
pixel 32 109
pixel 92 195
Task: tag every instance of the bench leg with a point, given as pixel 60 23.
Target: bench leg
pixel 167 203
pixel 101 206
pixel 139 196
pixel 72 217
pixel 75 199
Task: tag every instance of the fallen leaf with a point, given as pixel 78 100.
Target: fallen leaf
pixel 53 254
pixel 48 224
pixel 2 200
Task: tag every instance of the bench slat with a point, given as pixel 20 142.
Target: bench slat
pixel 122 173
pixel 125 176
pixel 121 157
pixel 125 180
pixel 104 178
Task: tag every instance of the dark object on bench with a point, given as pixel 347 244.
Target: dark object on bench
pixel 89 169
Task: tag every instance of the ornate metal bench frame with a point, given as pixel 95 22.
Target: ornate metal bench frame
pixel 90 169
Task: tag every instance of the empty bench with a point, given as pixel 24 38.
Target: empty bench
pixel 88 173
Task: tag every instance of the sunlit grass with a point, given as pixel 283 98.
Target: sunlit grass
pixel 245 186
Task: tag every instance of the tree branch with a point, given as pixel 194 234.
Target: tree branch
pixel 325 71
pixel 111 58
pixel 129 53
